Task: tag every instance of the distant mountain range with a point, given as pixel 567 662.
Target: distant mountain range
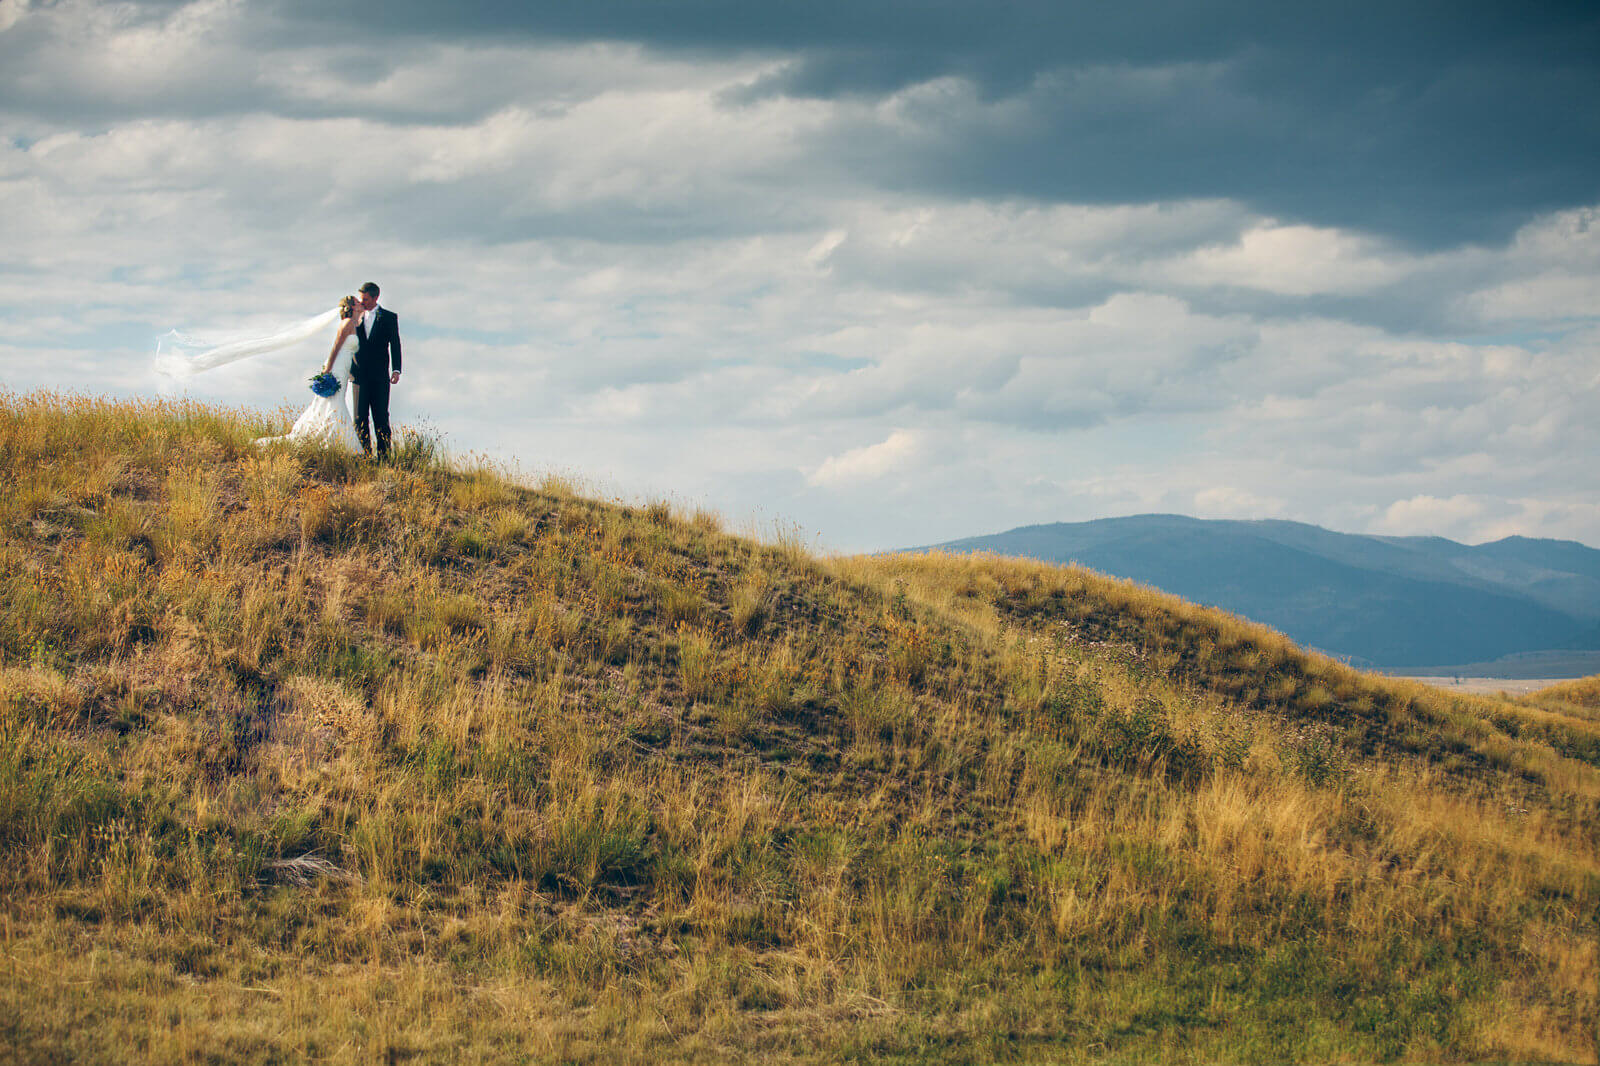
pixel 1387 602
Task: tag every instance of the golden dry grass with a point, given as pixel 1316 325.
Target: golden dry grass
pixel 1583 694
pixel 304 759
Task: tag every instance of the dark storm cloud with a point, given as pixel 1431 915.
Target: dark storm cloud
pixel 1432 122
pixel 1008 41
pixel 1434 165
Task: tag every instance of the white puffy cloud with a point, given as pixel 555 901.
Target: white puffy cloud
pixel 871 462
pixel 1427 514
pixel 1226 501
pixel 1292 260
pixel 10 12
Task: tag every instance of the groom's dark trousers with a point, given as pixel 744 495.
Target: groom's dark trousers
pixel 378 349
pixel 372 399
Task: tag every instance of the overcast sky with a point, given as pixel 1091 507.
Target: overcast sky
pixel 896 271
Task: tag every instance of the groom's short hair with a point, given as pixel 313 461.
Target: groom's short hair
pixel 370 287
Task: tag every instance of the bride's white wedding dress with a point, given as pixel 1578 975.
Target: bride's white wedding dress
pixel 328 420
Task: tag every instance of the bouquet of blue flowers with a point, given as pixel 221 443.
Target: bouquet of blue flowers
pixel 325 384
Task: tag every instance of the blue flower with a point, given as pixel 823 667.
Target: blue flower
pixel 325 384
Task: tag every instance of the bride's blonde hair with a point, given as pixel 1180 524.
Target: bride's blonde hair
pixel 347 307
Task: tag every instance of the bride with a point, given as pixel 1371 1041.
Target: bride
pixel 330 420
pixel 327 420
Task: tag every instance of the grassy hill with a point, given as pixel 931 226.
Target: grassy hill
pixel 1580 697
pixel 305 759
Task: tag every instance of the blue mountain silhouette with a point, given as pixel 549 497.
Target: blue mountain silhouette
pixel 1391 602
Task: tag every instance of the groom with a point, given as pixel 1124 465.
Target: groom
pixel 377 349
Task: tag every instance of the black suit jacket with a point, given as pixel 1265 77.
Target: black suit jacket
pixel 378 352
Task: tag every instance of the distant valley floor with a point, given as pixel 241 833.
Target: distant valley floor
pixel 1487 686
pixel 1538 668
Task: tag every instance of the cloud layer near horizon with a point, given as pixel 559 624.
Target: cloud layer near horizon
pixel 896 286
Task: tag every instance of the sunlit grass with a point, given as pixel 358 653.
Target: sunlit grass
pixel 304 758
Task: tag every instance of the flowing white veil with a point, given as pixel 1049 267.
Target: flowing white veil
pixel 180 355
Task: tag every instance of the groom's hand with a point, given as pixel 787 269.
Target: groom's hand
pixel 394 379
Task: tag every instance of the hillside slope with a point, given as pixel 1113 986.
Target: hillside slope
pixel 1580 697
pixel 1381 601
pixel 305 759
